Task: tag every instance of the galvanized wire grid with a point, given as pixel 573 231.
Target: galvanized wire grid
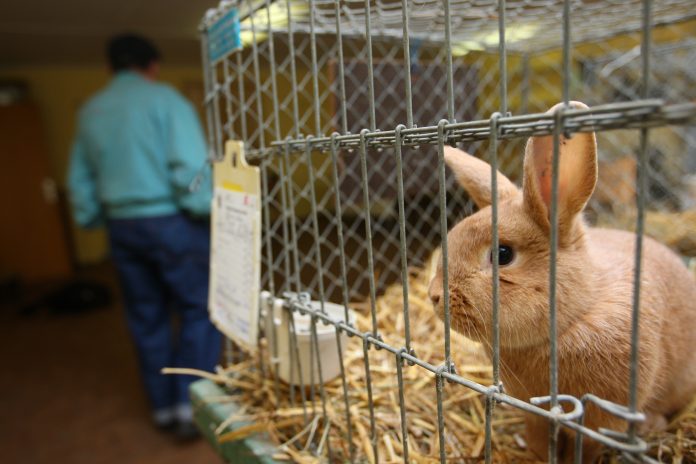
pixel 347 107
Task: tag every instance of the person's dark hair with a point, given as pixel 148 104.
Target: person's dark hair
pixel 130 51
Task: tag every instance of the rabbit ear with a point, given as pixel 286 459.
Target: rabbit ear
pixel 475 176
pixel 577 176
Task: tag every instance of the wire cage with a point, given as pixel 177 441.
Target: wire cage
pixel 347 107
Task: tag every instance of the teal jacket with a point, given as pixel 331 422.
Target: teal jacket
pixel 138 152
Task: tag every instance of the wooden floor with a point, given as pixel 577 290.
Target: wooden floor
pixel 70 392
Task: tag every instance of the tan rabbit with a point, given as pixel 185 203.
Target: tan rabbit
pixel 594 294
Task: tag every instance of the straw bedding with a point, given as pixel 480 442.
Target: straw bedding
pixel 677 230
pixel 463 409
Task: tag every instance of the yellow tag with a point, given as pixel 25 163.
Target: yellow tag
pixel 235 254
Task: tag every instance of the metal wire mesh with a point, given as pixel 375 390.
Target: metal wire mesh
pixel 347 106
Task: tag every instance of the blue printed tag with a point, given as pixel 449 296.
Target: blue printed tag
pixel 224 36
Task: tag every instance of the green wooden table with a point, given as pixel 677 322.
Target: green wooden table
pixel 209 414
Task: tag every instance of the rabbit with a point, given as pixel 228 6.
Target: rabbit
pixel 594 294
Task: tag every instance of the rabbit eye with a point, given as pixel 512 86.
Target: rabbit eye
pixel 505 255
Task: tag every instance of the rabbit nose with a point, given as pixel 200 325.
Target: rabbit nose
pixel 435 293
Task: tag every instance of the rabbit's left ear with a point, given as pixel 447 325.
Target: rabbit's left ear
pixel 475 176
pixel 577 176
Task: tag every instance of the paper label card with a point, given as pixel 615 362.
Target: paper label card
pixel 235 262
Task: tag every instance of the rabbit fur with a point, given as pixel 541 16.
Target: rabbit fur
pixel 594 294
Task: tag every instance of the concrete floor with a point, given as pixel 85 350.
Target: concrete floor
pixel 70 392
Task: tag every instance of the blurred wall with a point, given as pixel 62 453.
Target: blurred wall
pixel 59 91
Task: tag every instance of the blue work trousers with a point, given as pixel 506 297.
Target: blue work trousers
pixel 163 265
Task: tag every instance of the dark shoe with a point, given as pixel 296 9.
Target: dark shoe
pixel 167 425
pixel 186 431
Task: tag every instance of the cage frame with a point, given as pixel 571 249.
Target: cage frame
pixel 642 114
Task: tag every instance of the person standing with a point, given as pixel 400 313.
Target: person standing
pixel 138 150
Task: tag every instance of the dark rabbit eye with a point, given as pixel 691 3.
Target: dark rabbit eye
pixel 505 255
